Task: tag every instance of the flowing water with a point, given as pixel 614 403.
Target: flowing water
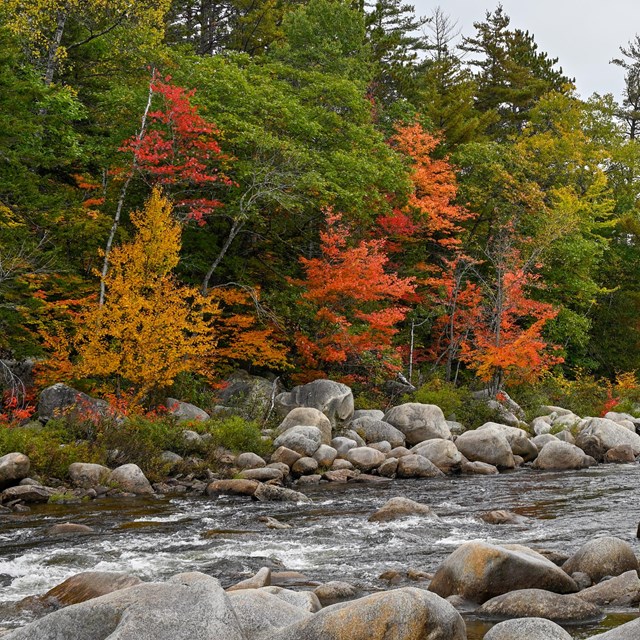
pixel 330 539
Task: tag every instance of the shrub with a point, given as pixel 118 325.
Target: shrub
pixel 237 434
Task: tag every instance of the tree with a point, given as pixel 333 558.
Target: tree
pixel 630 112
pixel 355 306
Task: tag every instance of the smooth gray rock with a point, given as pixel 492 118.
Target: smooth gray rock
pixel 478 571
pixel 249 460
pixel 418 422
pixel 501 516
pixel 543 439
pixel 250 395
pixel 13 468
pixel 305 466
pixel 129 477
pixel 302 439
pixel 308 416
pixel 263 474
pixel 232 487
pixel 187 607
pixel 86 474
pixel 518 439
pixel 388 468
pixel 342 445
pixel 621 591
pixel 400 507
pixel 628 631
pixel 271 493
pixel 60 399
pixel 334 591
pixel 371 430
pixel 443 453
pixel 598 435
pixel 600 557
pixel 542 425
pixel 184 411
pixel 191 439
pixel 375 414
pixel 478 468
pixel 355 437
pixel 622 454
pixel 490 446
pixel 365 458
pixel 262 578
pixel 325 455
pixel 334 399
pixel 416 466
pixel 527 629
pixel 285 455
pixel 27 493
pixel 562 456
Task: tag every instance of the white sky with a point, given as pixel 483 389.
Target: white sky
pixel 583 34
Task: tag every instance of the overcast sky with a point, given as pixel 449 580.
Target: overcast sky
pixel 583 34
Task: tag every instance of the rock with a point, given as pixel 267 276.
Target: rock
pixel 69 528
pixel 232 487
pixel 443 453
pixel 351 434
pixel 375 414
pixel 187 607
pixel 340 475
pixel 262 475
pixel 600 557
pixel 261 613
pixel 280 466
pixel 397 508
pixel 566 436
pixel 518 439
pixel 456 428
pixel 185 412
pixel 365 458
pixel 401 614
pixel 542 425
pixel 249 460
pixel 623 453
pixel 399 452
pixel 271 493
pixel 273 523
pixel 302 439
pixel 305 466
pixel 250 395
pixel 621 591
pixel 490 446
pixel 13 468
pixel 334 591
pixel 325 455
pixel 86 475
pixel 261 579
pixel 307 416
pixel 628 631
pixel 383 447
pixel 478 468
pixel 371 430
pixel 285 456
pixel 547 409
pixel 339 465
pixel 622 417
pixel 503 517
pixel 537 603
pixel 27 493
pixel 305 600
pixel 527 629
pixel 334 399
pixel 598 435
pixel 418 422
pixel 388 468
pixel 582 580
pixel 171 458
pixel 568 421
pixel 478 571
pixel 343 445
pixel 191 439
pixel 82 587
pixel 543 439
pixel 60 399
pixel 415 466
pixel 391 577
pixel 314 478
pixel 561 456
pixel 129 478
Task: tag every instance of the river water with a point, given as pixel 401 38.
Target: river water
pixel 330 539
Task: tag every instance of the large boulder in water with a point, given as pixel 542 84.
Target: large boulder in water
pixel 537 603
pixel 443 453
pixel 478 571
pixel 527 629
pixel 334 399
pixel 562 456
pixel 621 591
pixel 598 435
pixel 416 466
pixel 489 446
pixel 519 441
pixel 600 557
pixel 401 614
pixel 189 606
pixel 399 507
pixel 307 416
pixel 129 477
pixel 418 422
pixel 13 468
pixel 373 430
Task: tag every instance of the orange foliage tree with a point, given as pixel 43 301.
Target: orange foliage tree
pixel 356 305
pixel 151 328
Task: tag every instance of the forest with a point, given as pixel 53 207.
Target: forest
pixel 309 189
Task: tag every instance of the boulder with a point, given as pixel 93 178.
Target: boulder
pixel 621 454
pixel 622 418
pixel 334 591
pixel 305 466
pixel 86 474
pixel 562 456
pixel 600 557
pixel 443 453
pixel 334 399
pixel 250 395
pixel 388 468
pixel 340 475
pixel 371 430
pixel 261 579
pixel 191 439
pixel 628 631
pixel 325 455
pixel 170 458
pixel 567 421
pixel 263 474
pixel 621 591
pixel 305 600
pixel 566 436
pixel 541 425
pixel 537 603
pixel 490 446
pixel 355 437
pixel 527 629
pixel 249 460
pixel 456 428
pixel 69 529
pixel 543 439
pixel 271 493
pixel 401 614
pixel 598 435
pixel 184 411
pixel 232 487
pixel 418 422
pixel 416 466
pixel 518 439
pixel 129 478
pixel 60 399
pixel 365 458
pixel 375 414
pixel 343 445
pixel 502 516
pixel 341 465
pixel 398 452
pixel 302 439
pixel 548 409
pixel 13 468
pixel 479 571
pixel 478 468
pixel 187 607
pixel 285 456
pixel 397 508
pixel 307 416
pixel 261 613
pixel 27 493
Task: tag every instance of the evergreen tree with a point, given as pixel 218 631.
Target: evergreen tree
pixel 630 111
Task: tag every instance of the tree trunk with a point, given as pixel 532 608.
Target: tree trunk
pixel 52 54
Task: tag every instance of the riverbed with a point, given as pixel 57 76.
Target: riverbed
pixel 329 539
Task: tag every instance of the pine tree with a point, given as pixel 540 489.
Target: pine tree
pixel 630 111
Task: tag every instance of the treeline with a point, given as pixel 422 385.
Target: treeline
pixel 336 188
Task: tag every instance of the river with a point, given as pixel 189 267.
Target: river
pixel 330 539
